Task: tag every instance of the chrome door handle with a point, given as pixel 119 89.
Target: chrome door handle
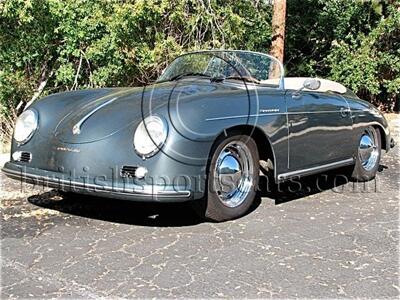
pixel 344 112
pixel 296 95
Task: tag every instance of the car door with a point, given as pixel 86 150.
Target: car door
pixel 320 128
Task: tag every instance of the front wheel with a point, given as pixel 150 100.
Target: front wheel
pixel 368 155
pixel 232 178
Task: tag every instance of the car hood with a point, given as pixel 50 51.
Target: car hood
pixel 91 115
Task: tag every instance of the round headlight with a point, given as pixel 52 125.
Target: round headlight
pixel 150 135
pixel 25 126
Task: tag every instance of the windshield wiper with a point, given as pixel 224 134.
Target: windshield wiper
pixel 179 76
pixel 213 79
pixel 243 78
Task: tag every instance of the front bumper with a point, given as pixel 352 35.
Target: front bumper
pixel 86 185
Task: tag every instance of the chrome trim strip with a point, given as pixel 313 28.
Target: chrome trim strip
pixel 77 127
pixel 312 170
pixel 147 190
pixel 243 116
pixel 273 114
pixel 288 141
pixel 314 112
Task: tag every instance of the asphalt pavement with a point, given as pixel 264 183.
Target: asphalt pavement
pixel 328 239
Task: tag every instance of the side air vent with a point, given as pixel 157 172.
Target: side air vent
pixel 22 156
pixel 128 171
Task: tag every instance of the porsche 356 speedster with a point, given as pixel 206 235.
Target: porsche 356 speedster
pixel 199 133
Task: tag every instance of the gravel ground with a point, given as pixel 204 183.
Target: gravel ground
pixel 336 240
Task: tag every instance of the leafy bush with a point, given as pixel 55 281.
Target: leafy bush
pixel 354 42
pixel 48 46
pixel 370 64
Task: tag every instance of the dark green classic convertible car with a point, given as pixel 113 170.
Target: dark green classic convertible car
pixel 200 133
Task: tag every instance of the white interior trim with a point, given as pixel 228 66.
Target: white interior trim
pixel 296 83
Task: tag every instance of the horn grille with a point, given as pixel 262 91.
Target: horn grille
pixel 128 171
pixel 22 156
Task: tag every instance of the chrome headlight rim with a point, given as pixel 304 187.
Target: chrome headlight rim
pixel 157 145
pixel 33 129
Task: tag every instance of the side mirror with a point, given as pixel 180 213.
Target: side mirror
pixel 311 84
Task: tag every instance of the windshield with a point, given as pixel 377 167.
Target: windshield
pixel 229 64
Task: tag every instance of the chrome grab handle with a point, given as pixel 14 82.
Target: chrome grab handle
pixel 77 127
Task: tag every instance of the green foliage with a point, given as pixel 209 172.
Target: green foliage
pixel 48 46
pixel 370 64
pixel 354 42
pixel 92 43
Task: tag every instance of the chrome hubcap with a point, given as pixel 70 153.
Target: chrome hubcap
pixel 367 150
pixel 233 174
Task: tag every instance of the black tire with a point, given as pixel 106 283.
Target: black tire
pixel 212 207
pixel 362 173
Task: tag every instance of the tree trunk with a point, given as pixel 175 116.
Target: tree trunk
pixel 278 35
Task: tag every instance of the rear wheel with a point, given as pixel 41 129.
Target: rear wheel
pixel 368 155
pixel 232 178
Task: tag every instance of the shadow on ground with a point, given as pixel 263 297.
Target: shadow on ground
pixel 297 188
pixel 181 214
pixel 118 211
